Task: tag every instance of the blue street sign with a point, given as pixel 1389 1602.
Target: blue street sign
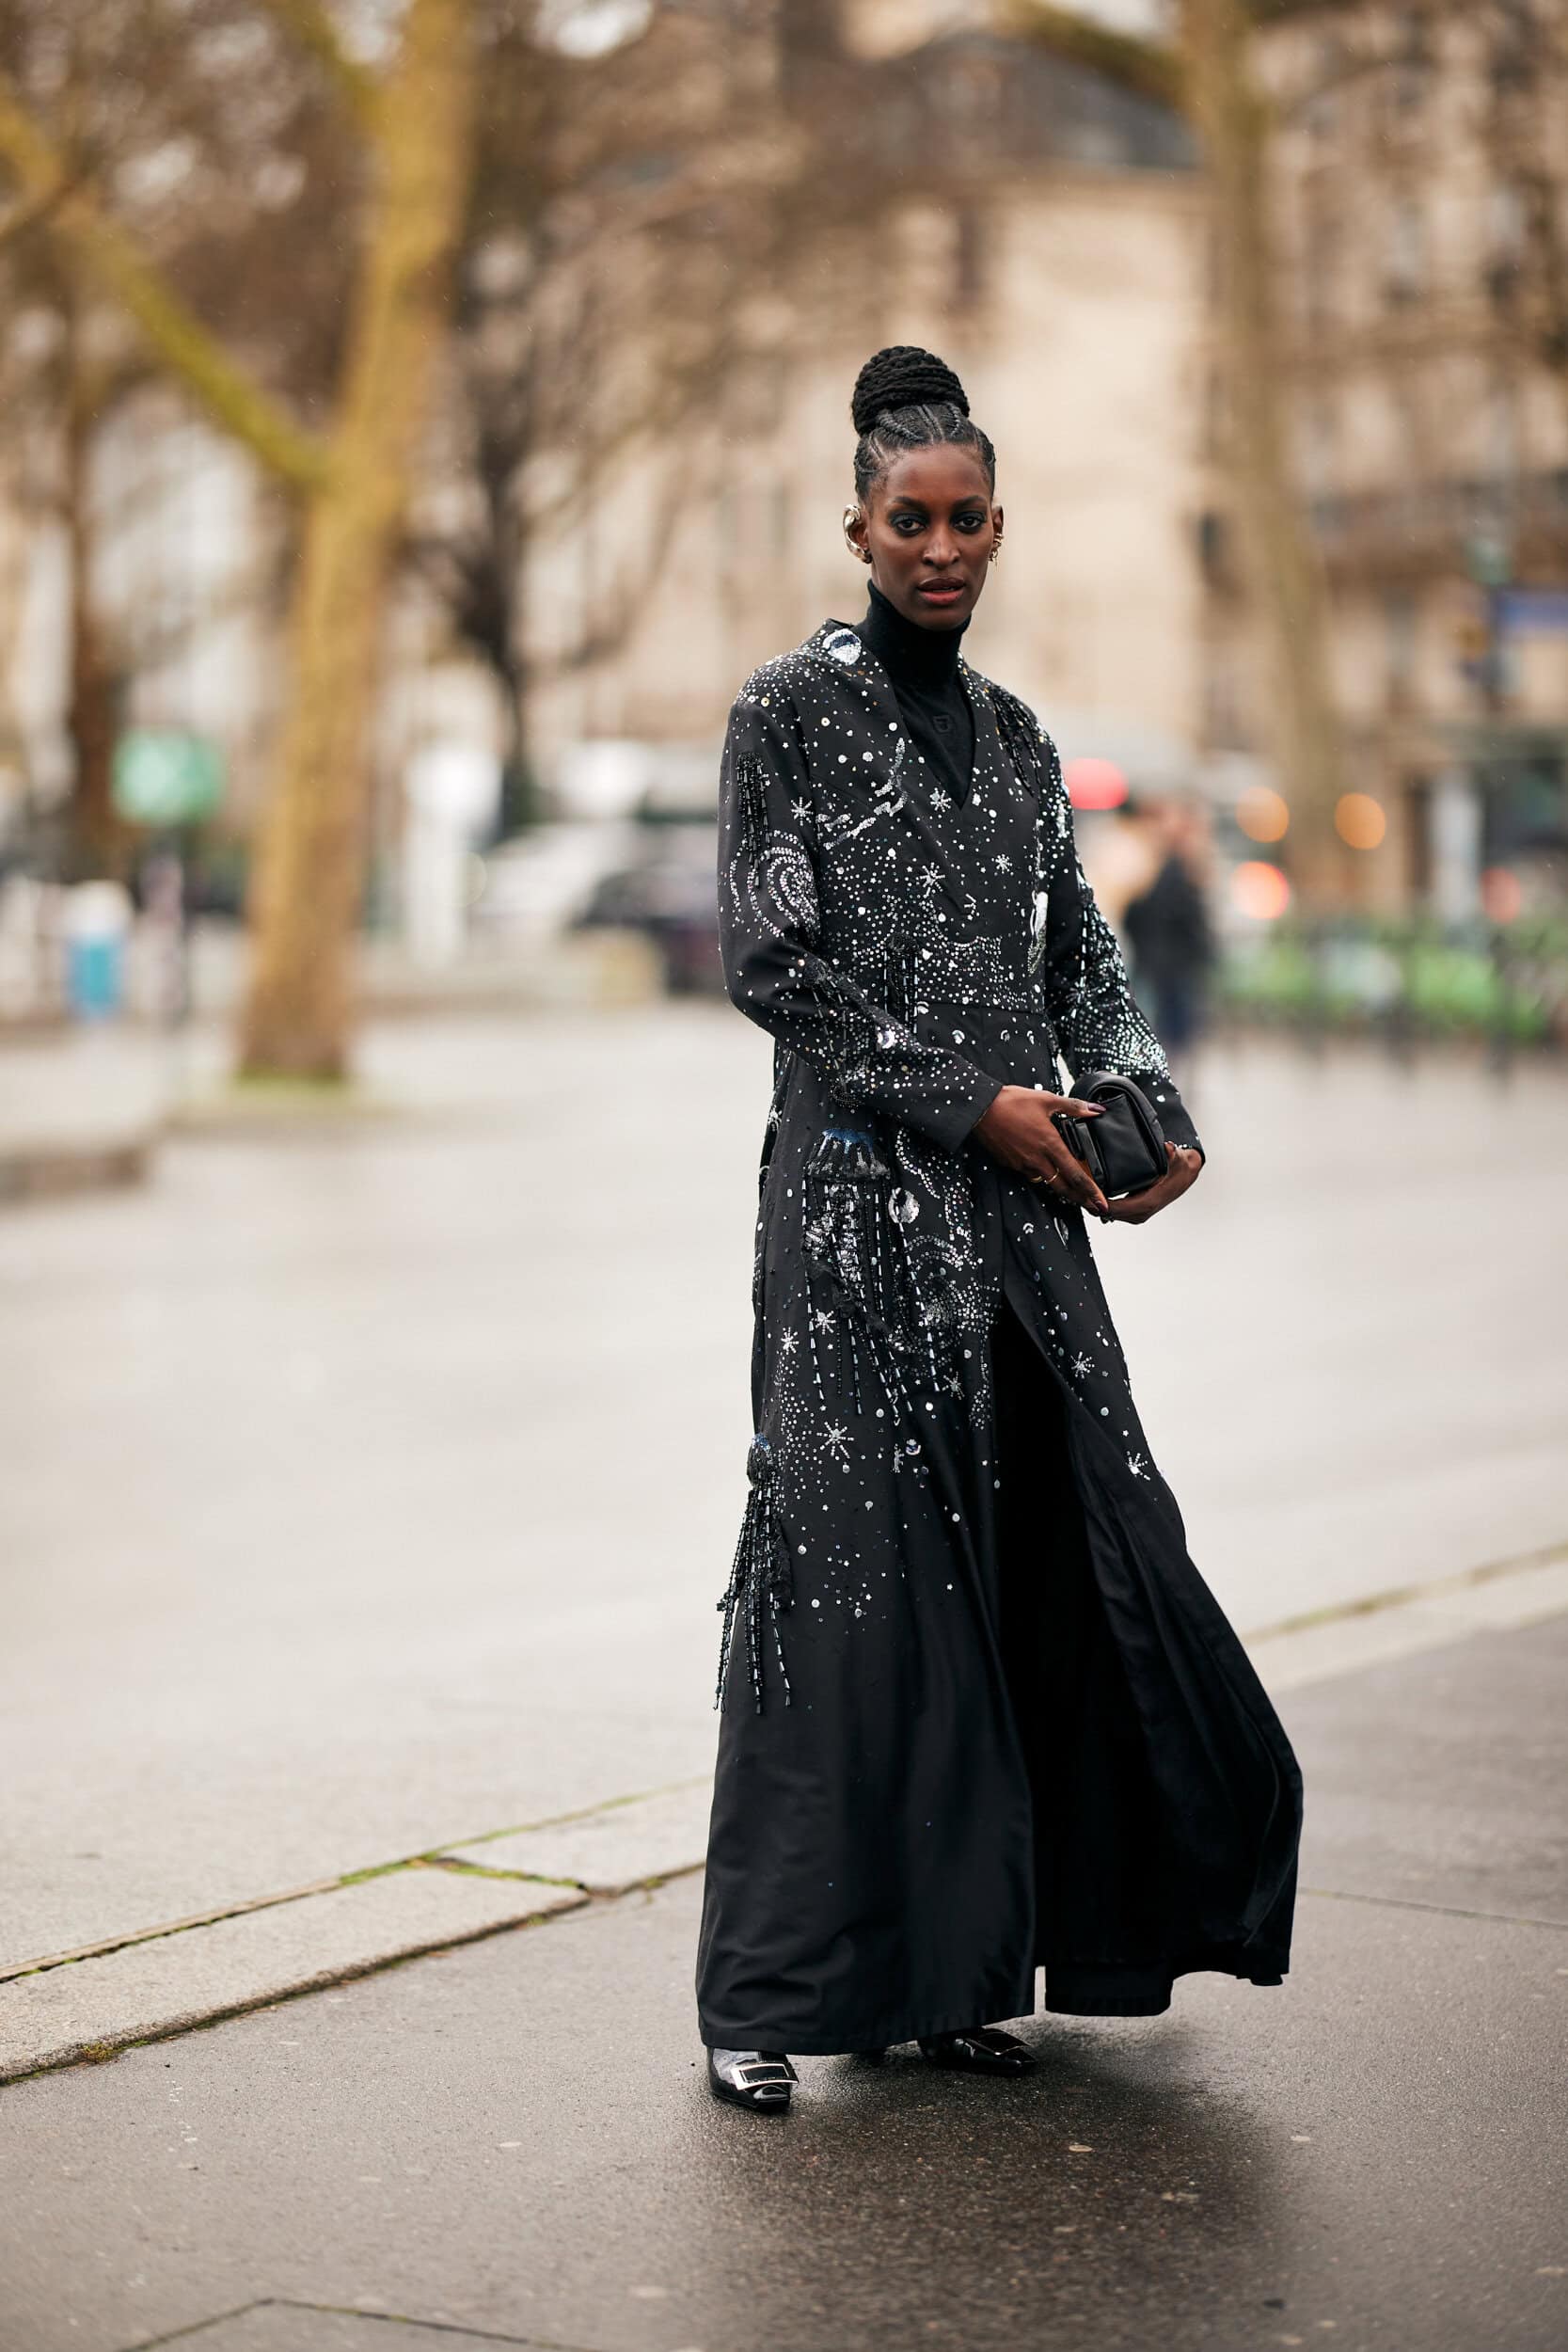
pixel 1539 612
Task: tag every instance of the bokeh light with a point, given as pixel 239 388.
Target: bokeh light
pixel 1094 784
pixel 1260 890
pixel 1262 814
pixel 1359 819
pixel 1502 894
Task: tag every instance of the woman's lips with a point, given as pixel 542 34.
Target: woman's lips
pixel 941 592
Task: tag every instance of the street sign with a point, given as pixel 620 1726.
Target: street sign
pixel 1541 612
pixel 165 777
pixel 1488 557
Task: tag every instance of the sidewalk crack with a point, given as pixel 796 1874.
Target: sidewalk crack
pixel 460 1868
pixel 457 2328
pixel 1444 1911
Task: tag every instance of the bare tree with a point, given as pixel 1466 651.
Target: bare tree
pixel 145 104
pixel 1521 50
pixel 638 240
pixel 350 473
pixel 307 891
pixel 1207 73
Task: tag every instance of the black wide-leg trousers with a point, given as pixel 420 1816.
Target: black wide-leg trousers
pixel 1097 1865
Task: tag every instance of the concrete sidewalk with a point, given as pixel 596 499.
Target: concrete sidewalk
pixel 372 1480
pixel 511 2142
pixel 162 1979
pixel 80 1110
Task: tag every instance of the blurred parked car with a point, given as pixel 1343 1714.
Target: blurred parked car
pixel 668 891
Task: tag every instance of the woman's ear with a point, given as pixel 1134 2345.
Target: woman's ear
pixel 854 532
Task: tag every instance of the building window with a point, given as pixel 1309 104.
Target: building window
pixel 1322 111
pixel 1226 726
pixel 1506 220
pixel 1411 65
pixel 968 256
pixel 1417 796
pixel 1215 552
pixel 1501 428
pixel 1401 626
pixel 1517 58
pixel 1319 444
pixel 1404 267
pixel 1320 276
pixel 758 387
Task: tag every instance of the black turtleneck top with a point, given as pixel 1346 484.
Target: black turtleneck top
pixel 923 664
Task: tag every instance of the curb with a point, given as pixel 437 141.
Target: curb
pixel 48 1171
pixel 87 2005
pixel 1501 1595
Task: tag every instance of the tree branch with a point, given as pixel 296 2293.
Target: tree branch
pixel 28 212
pixel 1148 67
pixel 229 393
pixel 315 31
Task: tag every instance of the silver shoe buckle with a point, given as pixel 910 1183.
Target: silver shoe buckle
pixel 753 2076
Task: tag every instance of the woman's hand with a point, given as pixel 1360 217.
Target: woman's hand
pixel 1019 1130
pixel 1182 1170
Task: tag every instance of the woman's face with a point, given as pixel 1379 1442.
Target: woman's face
pixel 930 531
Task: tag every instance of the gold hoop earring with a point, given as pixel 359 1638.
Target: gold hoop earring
pixel 853 515
pixel 995 551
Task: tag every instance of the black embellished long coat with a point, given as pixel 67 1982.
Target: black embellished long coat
pixel 979 1712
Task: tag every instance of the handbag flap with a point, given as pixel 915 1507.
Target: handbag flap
pixel 1125 1147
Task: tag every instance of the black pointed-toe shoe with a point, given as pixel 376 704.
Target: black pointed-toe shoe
pixel 981 2050
pixel 758 2079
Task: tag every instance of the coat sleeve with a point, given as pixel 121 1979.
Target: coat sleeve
pixel 768 928
pixel 1079 965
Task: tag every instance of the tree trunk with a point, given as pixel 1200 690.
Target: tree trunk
pixel 99 842
pixel 1281 560
pixel 305 901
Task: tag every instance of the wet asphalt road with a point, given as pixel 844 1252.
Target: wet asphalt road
pixel 513 2141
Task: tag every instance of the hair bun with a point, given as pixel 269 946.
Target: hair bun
pixel 903 377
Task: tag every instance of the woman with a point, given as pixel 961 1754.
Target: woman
pixel 979 1712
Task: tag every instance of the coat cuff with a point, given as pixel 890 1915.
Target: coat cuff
pixel 952 1122
pixel 1171 1111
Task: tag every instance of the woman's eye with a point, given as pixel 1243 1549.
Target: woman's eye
pixel 970 522
pixel 914 521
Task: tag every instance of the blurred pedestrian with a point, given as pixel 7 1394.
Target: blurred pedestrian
pixel 1119 858
pixel 1167 928
pixel 979 1710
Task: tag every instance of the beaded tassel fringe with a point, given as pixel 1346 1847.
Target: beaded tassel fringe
pixel 761 1581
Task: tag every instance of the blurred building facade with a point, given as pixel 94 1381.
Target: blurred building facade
pixel 1420 185
pixel 1046 235
pixel 1045 229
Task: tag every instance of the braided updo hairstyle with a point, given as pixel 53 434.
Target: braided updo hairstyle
pixel 904 399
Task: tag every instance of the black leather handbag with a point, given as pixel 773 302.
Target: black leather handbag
pixel 1124 1149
